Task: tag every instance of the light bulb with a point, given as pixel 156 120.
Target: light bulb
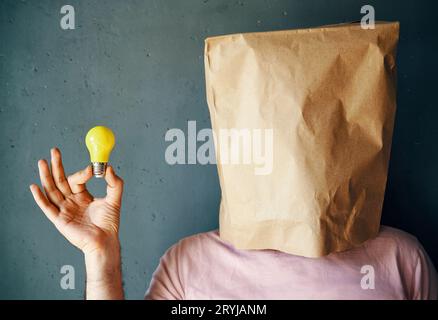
pixel 100 142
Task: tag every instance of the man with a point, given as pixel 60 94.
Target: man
pixel 391 266
pixel 310 225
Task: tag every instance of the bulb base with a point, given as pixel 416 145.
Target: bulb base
pixel 99 169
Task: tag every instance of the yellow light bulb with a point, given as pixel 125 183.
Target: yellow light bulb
pixel 100 142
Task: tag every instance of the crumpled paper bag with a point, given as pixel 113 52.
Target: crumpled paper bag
pixel 329 96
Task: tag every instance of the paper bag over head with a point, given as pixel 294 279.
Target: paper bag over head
pixel 328 97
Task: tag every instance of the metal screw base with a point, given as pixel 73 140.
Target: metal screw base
pixel 99 169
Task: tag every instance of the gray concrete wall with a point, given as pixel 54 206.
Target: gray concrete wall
pixel 137 67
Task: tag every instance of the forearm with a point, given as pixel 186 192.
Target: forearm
pixel 104 275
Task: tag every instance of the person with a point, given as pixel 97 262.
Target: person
pixel 393 265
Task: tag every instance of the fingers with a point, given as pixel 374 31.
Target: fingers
pixel 58 172
pixel 45 205
pixel 114 188
pixel 78 180
pixel 52 192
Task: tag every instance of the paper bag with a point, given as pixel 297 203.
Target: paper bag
pixel 328 97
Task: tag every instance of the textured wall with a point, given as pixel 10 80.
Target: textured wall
pixel 137 66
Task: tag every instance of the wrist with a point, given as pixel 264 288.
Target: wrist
pixel 103 263
pixel 103 245
pixel 104 276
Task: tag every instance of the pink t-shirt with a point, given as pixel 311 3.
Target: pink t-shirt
pixel 394 265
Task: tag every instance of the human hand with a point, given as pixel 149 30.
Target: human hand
pixel 91 224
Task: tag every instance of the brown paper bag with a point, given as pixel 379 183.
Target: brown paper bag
pixel 328 95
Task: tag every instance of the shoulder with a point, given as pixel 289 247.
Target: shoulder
pixel 398 246
pixel 410 254
pixel 195 255
pixel 201 243
pixel 187 258
pixel 200 250
pixel 398 238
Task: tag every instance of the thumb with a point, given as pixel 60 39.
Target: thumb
pixel 114 187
